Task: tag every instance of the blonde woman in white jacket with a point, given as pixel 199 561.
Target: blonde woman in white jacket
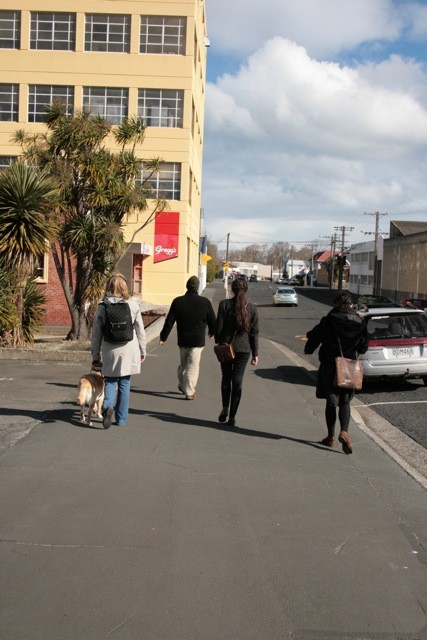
pixel 119 359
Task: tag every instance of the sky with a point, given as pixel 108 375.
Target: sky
pixel 316 117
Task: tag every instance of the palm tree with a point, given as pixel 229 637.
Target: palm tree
pixel 27 223
pixel 99 188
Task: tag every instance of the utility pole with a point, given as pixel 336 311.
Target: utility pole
pixel 333 241
pixel 341 265
pixel 226 262
pixel 377 215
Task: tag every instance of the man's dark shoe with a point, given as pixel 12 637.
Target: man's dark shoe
pixel 231 422
pixel 107 417
pixel 223 415
pixel 345 441
pixel 181 389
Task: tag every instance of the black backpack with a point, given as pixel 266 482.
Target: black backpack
pixel 118 325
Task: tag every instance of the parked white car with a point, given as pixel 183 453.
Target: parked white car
pixel 397 344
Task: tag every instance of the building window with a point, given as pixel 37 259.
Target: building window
pixel 41 96
pixel 166 183
pixel 107 32
pixel 53 31
pixel 163 34
pixel 108 102
pixel 9 96
pixel 161 107
pixel 10 29
pixel 137 269
pixel 42 268
pixel 6 161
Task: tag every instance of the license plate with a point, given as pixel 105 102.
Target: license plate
pixel 403 352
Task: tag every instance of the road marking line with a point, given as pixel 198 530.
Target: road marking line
pixel 376 404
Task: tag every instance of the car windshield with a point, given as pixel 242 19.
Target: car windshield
pixel 397 326
pixel 285 291
pixel 374 299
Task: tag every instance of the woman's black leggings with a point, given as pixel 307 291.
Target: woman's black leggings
pixel 231 383
pixel 343 414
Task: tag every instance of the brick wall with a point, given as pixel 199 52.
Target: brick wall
pixel 57 313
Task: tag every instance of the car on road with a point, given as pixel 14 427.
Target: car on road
pixel 375 301
pixel 285 295
pixel 280 281
pixel 418 303
pixel 397 344
pixel 253 278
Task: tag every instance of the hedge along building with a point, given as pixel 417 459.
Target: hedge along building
pixel 118 58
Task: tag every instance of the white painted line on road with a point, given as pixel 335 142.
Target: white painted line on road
pixel 377 404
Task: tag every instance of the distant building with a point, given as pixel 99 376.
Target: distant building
pixel 405 261
pixel 263 271
pixel 362 267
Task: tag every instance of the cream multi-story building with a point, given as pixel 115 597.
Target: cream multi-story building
pixel 119 58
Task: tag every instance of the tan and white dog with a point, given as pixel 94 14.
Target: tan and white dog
pixel 91 392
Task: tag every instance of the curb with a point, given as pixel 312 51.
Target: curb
pixel 152 332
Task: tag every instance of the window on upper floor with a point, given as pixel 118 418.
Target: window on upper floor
pixel 53 31
pixel 107 32
pixel 109 102
pixel 10 29
pixel 161 107
pixel 9 97
pixel 166 183
pixel 41 96
pixel 163 34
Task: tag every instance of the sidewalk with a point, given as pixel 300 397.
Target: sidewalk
pixel 177 528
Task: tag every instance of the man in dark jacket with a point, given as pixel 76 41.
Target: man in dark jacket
pixel 192 314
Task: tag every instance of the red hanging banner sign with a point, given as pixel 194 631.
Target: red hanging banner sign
pixel 166 236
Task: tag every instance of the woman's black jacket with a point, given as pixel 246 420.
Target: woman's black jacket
pixel 226 327
pixel 347 326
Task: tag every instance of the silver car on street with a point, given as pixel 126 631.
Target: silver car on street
pixel 285 295
pixel 397 344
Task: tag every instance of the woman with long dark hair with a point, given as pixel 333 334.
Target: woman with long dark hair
pixel 236 323
pixel 342 329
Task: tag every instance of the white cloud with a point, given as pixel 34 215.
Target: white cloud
pixel 324 28
pixel 294 145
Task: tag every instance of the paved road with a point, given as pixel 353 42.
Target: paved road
pixel 403 403
pixel 176 528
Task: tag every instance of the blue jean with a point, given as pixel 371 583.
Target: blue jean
pixel 117 394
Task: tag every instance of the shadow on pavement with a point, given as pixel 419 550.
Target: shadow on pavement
pixel 372 388
pixel 174 418
pixel 288 374
pixel 63 384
